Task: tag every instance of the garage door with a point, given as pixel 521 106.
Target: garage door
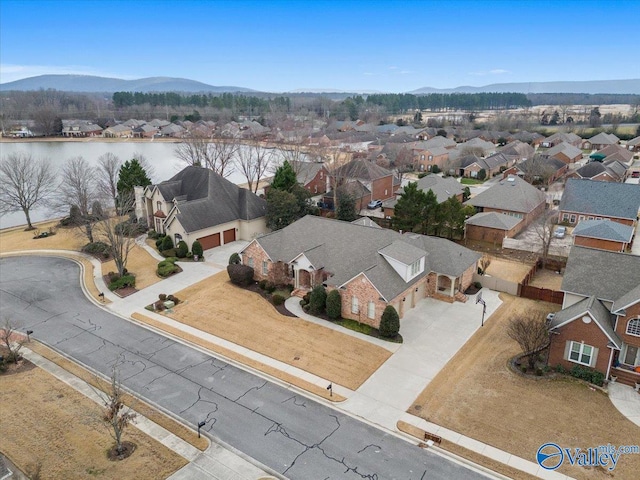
pixel 210 241
pixel 229 235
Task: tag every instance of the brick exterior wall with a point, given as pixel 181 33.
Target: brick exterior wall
pixel 318 184
pixel 486 234
pixel 623 221
pixel 621 327
pixel 467 277
pixel 578 331
pixel 255 252
pixel 362 288
pixel 380 186
pixel 598 243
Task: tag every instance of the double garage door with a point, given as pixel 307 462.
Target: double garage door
pixel 212 241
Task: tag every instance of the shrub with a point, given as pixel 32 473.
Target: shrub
pixel 435 169
pixel 334 304
pixel 162 297
pixel 182 249
pixel 167 267
pixel 130 229
pixel 235 259
pixel 152 234
pixel 240 274
pixel 167 243
pixel 269 287
pixel 478 285
pixel 277 299
pixel 482 174
pixel 305 308
pixel 97 248
pixel 159 243
pixel 262 283
pixel 389 323
pixel 159 305
pixel 317 300
pixel 196 248
pixel 121 282
pixel 173 299
pixel 587 374
pixel 561 369
pixel 306 297
pixel 169 253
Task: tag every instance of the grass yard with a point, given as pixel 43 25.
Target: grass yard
pixel 13 239
pixel 47 422
pixel 139 262
pixel 216 306
pixel 471 181
pixel 478 396
pixel 507 270
pixel 547 279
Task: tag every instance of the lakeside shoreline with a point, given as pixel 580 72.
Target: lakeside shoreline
pixel 88 140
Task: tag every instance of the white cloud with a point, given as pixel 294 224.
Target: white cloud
pixel 393 68
pixel 405 72
pixel 369 74
pixel 498 71
pixel 495 71
pixel 12 72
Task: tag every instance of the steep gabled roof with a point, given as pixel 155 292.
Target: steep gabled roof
pixel 205 199
pixel 566 148
pixel 443 188
pixel 595 311
pixel 602 199
pixel 512 194
pixel 600 273
pixel 499 221
pixel 361 170
pixel 604 139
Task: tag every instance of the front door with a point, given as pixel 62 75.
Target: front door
pixel 630 355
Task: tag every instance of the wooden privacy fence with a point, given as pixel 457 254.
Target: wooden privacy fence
pixel 544 294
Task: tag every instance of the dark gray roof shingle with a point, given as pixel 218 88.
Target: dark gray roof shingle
pixel 605 230
pixel 512 194
pixel 604 199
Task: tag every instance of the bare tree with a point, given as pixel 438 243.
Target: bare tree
pixel 116 415
pixel 107 176
pixel 48 121
pixel 217 155
pixel 146 165
pixel 537 169
pixel 116 234
pixel 531 334
pixel 78 188
pixel 11 339
pixel 25 183
pixel 254 161
pixel 543 228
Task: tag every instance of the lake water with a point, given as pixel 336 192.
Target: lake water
pixel 160 155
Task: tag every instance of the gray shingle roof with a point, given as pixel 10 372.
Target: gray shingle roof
pixel 603 199
pixel 496 220
pixel 566 148
pixel 349 249
pixel 604 139
pixel 628 299
pixel 443 188
pixel 361 170
pixel 595 309
pixel 512 194
pixel 605 230
pixel 606 275
pixel 366 222
pixel 206 199
pixel 403 252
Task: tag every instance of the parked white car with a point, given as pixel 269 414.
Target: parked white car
pixel 560 232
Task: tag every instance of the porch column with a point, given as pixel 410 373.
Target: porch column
pixel 453 284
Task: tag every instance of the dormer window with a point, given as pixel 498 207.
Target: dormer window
pixel 415 268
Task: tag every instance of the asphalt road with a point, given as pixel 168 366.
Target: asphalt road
pixel 290 433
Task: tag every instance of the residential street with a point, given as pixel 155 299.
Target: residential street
pixel 287 432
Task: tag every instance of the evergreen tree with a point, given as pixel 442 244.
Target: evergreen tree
pixel 132 174
pixel 409 209
pixel 284 178
pixel 346 208
pixel 389 323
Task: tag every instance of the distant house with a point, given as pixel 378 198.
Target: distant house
pixel 617 152
pixel 599 141
pixel 145 131
pixel 198 204
pixel 599 325
pixel 559 137
pixel 476 145
pixel 596 171
pixel 471 165
pixel 80 128
pixel 364 180
pixel 538 170
pixel 424 158
pixel 565 152
pixel 491 227
pixel 633 145
pixel 592 200
pixel 117 131
pixel 603 234
pixel 443 188
pixel 313 176
pixel 511 197
pixel 370 267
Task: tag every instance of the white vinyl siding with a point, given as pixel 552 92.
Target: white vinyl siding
pixel 581 353
pixel 354 305
pixel 415 269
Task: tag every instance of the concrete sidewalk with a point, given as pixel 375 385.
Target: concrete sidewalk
pixel 626 400
pixel 216 462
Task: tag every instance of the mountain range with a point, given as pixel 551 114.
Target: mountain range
pixel 89 83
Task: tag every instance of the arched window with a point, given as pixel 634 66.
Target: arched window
pixel 633 327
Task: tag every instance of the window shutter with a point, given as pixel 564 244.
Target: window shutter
pixel 567 350
pixel 594 357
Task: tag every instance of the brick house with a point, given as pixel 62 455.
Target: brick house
pixel 592 200
pixel 564 151
pixel 313 176
pixel 443 188
pixel 471 165
pixel 513 197
pixel 198 204
pixel 600 141
pixel 370 267
pixel 543 169
pixel 598 171
pixel 599 325
pixel 559 137
pixel 363 179
pixel 491 227
pixel 603 234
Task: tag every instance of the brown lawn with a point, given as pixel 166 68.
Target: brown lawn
pixel 222 309
pixel 507 270
pixel 45 421
pixel 547 279
pixel 478 396
pixel 14 239
pixel 141 263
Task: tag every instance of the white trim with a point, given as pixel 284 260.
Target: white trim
pixel 626 331
pixel 580 353
pixel 594 321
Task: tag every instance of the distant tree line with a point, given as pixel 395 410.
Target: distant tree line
pixel 402 102
pixel 241 104
pixel 583 99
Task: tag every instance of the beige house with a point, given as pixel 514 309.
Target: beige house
pixel 198 204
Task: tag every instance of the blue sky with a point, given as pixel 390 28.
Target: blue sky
pixel 391 46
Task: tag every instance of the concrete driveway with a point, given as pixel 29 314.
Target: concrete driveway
pixel 433 332
pixel 220 255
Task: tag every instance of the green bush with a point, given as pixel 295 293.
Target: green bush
pixel 262 284
pixel 235 259
pixel 182 249
pixel 97 248
pixel 169 253
pixel 435 169
pixel 240 274
pixel 159 243
pixel 121 282
pixel 587 374
pixel 317 300
pixel 306 297
pixel 334 304
pixel 390 322
pixel 152 234
pixel 196 248
pixel 277 299
pixel 167 243
pixel 270 287
pixel 167 267
pixel 482 174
